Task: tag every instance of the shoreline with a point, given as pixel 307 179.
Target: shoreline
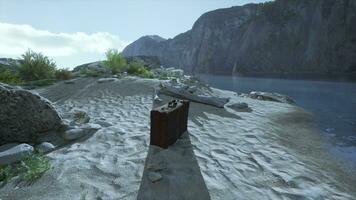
pixel 240 154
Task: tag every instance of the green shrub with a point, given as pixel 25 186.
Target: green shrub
pixel 138 69
pixel 33 167
pixel 30 168
pixel 63 74
pixel 115 61
pixel 9 77
pixel 36 66
pixel 40 83
pixel 6 173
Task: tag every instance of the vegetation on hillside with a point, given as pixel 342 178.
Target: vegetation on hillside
pixel 35 69
pixel 36 66
pixel 115 61
pixel 118 64
pixel 9 77
pixel 63 74
pixel 136 68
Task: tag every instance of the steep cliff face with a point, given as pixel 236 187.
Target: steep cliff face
pixel 284 36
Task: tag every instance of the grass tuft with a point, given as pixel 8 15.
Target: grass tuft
pixel 33 167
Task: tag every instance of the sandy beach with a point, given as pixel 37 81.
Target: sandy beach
pixel 269 152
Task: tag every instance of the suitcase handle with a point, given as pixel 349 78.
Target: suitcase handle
pixel 172 104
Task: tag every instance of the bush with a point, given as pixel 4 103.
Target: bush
pixel 63 74
pixel 9 77
pixel 138 69
pixel 40 83
pixel 36 66
pixel 115 61
pixel 5 173
pixel 33 167
pixel 30 168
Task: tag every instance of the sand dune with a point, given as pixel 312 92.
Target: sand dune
pixel 271 152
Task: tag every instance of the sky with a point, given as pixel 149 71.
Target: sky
pixel 74 32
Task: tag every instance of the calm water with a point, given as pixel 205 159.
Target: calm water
pixel 332 103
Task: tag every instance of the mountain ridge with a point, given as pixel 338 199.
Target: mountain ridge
pixel 280 37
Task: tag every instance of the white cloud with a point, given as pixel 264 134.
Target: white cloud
pixel 67 49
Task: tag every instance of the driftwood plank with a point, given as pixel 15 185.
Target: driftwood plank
pixel 184 94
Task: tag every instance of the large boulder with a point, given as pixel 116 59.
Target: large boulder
pixel 25 116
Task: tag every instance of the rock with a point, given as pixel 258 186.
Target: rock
pixel 75 133
pixel 25 116
pixel 14 153
pixel 239 106
pixel 105 80
pixel 268 96
pixel 155 167
pixel 69 82
pixel 157 99
pixel 80 117
pixel 154 176
pixel 91 126
pixel 192 89
pixel 96 67
pixel 103 123
pixel 82 131
pixel 44 147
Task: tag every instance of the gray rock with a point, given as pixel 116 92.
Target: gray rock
pixel 80 117
pixel 239 106
pixel 91 126
pixel 268 96
pixel 75 133
pixel 105 80
pixel 14 153
pixel 44 147
pixel 82 131
pixel 157 99
pixel 154 176
pixel 69 82
pixel 25 116
pixel 97 67
pixel 103 123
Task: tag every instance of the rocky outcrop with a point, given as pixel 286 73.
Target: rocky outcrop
pixel 97 67
pixel 9 64
pixel 280 37
pixel 25 116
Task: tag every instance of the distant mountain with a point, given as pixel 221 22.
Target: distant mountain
pixel 279 37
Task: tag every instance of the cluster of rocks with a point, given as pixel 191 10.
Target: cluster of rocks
pixel 269 96
pixel 29 123
pixel 168 73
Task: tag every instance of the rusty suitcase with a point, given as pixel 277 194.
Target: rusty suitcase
pixel 168 123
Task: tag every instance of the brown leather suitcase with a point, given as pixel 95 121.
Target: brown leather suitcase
pixel 168 123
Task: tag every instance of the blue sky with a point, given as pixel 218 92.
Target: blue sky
pixel 79 31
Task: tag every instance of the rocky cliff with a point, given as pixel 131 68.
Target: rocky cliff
pixel 282 37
